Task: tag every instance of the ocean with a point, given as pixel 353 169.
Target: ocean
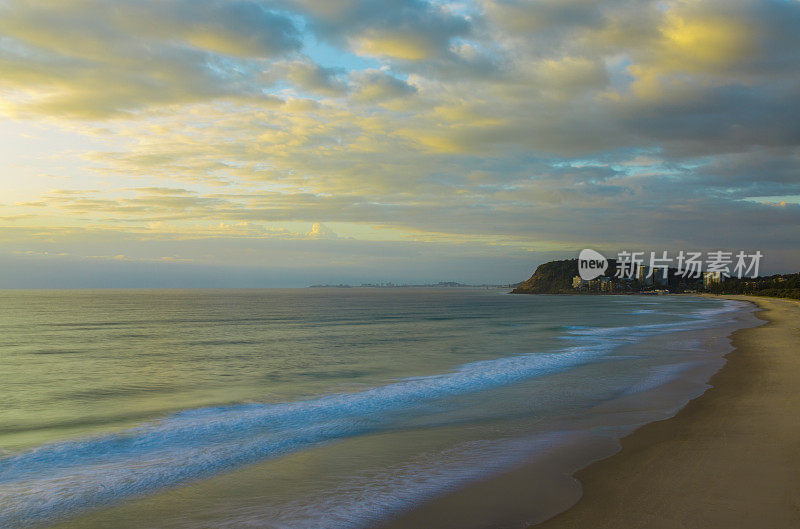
pixel 328 408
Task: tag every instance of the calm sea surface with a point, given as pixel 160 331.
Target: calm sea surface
pixel 314 408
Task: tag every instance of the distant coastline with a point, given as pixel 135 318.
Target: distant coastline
pixel 440 284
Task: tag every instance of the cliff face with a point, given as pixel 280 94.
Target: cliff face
pixel 554 277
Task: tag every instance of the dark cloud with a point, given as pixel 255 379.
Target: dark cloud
pixel 313 78
pixel 94 59
pixel 556 123
pixel 415 29
pixel 376 85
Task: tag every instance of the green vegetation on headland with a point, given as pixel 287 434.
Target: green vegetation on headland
pixel 777 286
pixel 560 277
pixel 554 277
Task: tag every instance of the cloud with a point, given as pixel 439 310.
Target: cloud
pixel 91 59
pixel 320 231
pixel 495 122
pixel 377 85
pixel 405 30
pixel 316 79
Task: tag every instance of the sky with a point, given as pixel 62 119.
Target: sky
pixel 193 143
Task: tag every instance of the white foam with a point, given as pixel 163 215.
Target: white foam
pixel 64 478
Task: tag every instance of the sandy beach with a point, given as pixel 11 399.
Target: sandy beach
pixel 729 459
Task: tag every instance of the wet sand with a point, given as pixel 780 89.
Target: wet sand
pixel 729 459
pixel 546 485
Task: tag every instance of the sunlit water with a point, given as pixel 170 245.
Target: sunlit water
pixel 312 408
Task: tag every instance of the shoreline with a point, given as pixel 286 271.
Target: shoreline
pixel 505 500
pixel 548 484
pixel 729 458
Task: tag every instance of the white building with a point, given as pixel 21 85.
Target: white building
pixel 710 278
pixel 643 275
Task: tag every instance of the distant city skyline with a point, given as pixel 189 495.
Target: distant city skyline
pixel 257 143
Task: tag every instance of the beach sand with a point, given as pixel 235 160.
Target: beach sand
pixel 729 459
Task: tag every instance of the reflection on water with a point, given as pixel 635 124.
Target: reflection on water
pixel 360 403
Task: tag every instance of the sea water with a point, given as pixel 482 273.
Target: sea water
pixel 319 408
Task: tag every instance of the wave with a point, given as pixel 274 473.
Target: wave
pixel 64 478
